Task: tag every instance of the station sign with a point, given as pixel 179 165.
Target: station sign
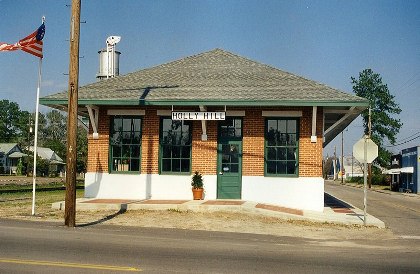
pixel 185 115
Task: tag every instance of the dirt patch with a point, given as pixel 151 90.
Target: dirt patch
pixel 218 221
pixel 18 206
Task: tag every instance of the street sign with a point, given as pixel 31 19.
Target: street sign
pixel 359 150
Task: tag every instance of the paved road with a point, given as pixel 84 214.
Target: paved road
pixel 400 212
pixel 39 247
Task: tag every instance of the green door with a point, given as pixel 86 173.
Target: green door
pixel 229 169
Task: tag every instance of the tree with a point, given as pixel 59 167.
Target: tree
pixel 12 121
pixel 82 150
pixel 55 132
pixel 369 85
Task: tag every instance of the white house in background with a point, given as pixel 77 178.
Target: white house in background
pixel 10 153
pixel 352 167
pixel 49 155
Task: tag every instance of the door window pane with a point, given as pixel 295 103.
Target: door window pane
pixel 231 127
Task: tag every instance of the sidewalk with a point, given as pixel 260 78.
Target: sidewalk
pixel 335 210
pixel 385 191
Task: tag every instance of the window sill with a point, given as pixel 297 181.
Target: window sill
pixel 126 172
pixel 281 175
pixel 175 173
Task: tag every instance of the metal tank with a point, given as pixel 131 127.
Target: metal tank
pixel 109 59
pixel 108 68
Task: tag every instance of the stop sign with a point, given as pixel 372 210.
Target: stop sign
pixel 359 150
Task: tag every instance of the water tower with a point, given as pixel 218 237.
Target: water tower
pixel 109 59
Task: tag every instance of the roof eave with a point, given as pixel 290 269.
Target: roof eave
pixel 326 103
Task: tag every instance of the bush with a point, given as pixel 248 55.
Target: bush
pixel 377 179
pixel 357 180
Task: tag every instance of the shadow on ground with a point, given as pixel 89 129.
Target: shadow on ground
pixel 331 201
pixel 107 218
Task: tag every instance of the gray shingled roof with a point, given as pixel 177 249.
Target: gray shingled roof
pixel 7 147
pixel 216 77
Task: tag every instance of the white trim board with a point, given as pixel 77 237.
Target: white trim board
pixel 281 113
pixel 140 112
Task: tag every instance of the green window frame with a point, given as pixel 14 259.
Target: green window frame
pixel 125 144
pixel 230 128
pixel 281 150
pixel 175 142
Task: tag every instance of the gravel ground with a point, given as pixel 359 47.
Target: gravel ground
pixel 210 221
pixel 236 222
pixel 24 180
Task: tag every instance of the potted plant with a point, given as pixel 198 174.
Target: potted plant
pixel 197 186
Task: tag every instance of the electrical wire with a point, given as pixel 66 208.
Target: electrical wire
pixel 402 89
pixel 405 141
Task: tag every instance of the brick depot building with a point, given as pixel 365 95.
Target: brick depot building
pixel 255 132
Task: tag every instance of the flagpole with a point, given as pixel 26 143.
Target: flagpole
pixel 36 135
pixel 36 130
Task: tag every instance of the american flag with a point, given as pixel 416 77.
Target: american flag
pixel 31 44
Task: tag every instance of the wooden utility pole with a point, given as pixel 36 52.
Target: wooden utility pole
pixel 370 135
pixel 342 158
pixel 70 208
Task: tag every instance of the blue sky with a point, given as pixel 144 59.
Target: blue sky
pixel 326 41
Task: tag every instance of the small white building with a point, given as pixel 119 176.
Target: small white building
pixel 254 132
pixel 352 167
pixel 55 161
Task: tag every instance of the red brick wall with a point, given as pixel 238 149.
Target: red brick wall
pixel 310 154
pixel 204 153
pixel 98 148
pixel 150 142
pixel 253 143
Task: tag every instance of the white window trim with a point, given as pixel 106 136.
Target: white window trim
pixel 164 112
pixel 282 113
pixel 235 113
pixel 140 112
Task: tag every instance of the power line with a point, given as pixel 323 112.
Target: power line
pixel 405 89
pixel 404 142
pixel 403 139
pixel 403 86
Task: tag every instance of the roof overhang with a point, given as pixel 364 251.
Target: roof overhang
pixel 337 118
pixel 17 154
pixel 62 103
pixel 337 114
pixel 400 170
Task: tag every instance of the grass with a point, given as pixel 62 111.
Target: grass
pixel 14 187
pixel 15 204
